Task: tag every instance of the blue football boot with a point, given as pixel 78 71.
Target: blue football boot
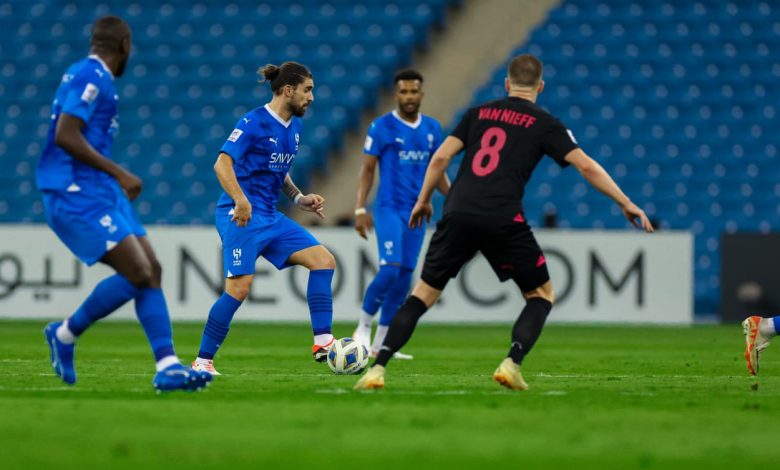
pixel 61 354
pixel 178 377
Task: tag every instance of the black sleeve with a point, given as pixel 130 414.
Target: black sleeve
pixel 558 142
pixel 461 131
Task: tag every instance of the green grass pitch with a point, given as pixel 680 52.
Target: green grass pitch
pixel 601 397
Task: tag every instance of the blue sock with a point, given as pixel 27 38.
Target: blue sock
pixel 396 296
pixel 776 323
pixel 319 296
pixel 110 294
pixel 152 312
pixel 218 325
pixel 377 290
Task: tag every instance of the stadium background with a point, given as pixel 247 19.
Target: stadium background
pixel 676 99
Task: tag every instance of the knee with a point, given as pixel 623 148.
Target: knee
pixel 140 274
pixel 545 292
pixel 156 278
pixel 324 259
pixel 238 288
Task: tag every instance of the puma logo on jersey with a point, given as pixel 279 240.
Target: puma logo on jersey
pixel 399 140
pixel 273 140
pixel 246 121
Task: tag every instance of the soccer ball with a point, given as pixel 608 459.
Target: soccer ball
pixel 347 357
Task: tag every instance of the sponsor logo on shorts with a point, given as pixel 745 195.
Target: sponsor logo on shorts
pixel 106 222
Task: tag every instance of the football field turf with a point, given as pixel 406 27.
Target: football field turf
pixel 601 397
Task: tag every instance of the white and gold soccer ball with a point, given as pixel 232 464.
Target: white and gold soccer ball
pixel 347 357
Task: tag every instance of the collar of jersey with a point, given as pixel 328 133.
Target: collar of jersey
pixel 413 125
pixel 276 116
pixel 105 67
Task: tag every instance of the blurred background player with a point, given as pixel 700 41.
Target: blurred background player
pixel 252 168
pixel 87 203
pixel 402 142
pixel 758 333
pixel 504 140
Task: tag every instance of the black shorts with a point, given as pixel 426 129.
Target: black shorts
pixel 509 247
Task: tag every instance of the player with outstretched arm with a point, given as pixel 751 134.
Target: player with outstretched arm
pixel 504 140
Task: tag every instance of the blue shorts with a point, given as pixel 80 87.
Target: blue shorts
pixel 397 243
pixel 91 222
pixel 274 237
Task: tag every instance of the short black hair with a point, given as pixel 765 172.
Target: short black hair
pixel 407 74
pixel 289 73
pixel 108 33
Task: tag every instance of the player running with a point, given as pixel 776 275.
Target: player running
pixel 252 168
pixel 402 142
pixel 758 333
pixel 87 197
pixel 504 140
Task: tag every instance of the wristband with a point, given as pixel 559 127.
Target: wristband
pixel 297 198
pixel 360 211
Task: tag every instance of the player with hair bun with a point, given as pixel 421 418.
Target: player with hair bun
pixel 252 168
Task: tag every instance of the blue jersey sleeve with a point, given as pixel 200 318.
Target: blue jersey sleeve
pixel 83 95
pixel 240 139
pixel 437 136
pixel 373 144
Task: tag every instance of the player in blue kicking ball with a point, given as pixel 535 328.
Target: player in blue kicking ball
pixel 252 168
pixel 758 333
pixel 87 198
pixel 401 143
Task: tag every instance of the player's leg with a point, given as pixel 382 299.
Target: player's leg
pixel 91 228
pixel 293 245
pixel 758 333
pixel 218 324
pixel 525 333
pixel 107 296
pixel 240 248
pixel 152 312
pixel 452 245
pixel 389 235
pixel 319 295
pixel 400 331
pixel 515 254
pixel 411 244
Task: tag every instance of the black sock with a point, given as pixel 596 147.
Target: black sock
pixel 528 327
pixel 401 329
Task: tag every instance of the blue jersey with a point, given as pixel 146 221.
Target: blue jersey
pixel 404 150
pixel 87 92
pixel 263 147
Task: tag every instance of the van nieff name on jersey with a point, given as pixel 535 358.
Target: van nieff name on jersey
pixel 507 116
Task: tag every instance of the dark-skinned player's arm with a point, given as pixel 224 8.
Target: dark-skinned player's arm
pixel 598 177
pixel 436 170
pixel 309 203
pixel 364 222
pixel 68 136
pixel 242 212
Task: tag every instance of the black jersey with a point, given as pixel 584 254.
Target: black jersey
pixel 504 141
